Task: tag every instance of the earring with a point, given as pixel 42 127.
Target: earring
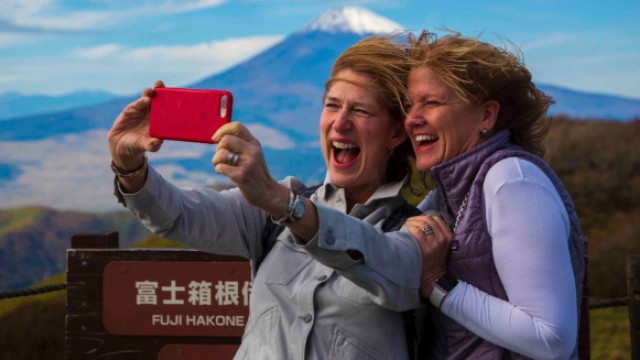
pixel 483 132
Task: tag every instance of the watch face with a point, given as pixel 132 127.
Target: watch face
pixel 447 282
pixel 298 208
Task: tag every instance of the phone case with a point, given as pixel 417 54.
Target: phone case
pixel 189 114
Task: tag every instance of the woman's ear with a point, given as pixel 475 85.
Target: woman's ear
pixel 490 111
pixel 399 135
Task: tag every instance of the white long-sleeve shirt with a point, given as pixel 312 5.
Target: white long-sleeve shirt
pixel 529 228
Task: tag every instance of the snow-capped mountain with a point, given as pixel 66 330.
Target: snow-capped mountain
pixel 352 19
pixel 61 159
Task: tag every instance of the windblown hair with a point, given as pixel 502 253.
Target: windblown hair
pixel 478 71
pixel 385 63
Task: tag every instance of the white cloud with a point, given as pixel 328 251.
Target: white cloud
pixel 228 51
pixel 182 178
pixel 9 78
pixel 55 15
pixel 97 51
pixel 548 40
pixel 271 138
pixel 55 173
pixel 72 171
pixel 172 150
pixel 7 40
pixel 124 70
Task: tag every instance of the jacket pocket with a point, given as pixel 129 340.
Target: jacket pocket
pixel 346 346
pixel 257 341
pixel 282 264
pixel 351 292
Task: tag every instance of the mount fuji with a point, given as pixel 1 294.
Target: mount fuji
pixel 60 159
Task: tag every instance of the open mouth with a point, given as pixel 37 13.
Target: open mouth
pixel 425 140
pixel 345 154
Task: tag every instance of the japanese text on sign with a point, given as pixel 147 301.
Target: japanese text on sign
pixel 199 293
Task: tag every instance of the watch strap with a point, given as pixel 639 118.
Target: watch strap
pixel 437 296
pixel 289 211
pixel 442 287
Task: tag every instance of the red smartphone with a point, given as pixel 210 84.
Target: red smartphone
pixel 189 114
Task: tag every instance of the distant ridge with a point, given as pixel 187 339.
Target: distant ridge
pixel 580 104
pixel 14 105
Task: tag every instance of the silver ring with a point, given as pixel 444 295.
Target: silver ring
pixel 427 230
pixel 232 158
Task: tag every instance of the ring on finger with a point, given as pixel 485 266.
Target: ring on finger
pixel 427 230
pixel 232 158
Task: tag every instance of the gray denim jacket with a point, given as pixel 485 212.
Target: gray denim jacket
pixel 304 302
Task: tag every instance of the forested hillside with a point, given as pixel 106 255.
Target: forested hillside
pixel 599 164
pixel 33 240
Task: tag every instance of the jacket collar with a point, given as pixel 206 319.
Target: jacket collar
pixel 388 190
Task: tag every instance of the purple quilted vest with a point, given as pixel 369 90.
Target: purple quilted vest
pixel 473 262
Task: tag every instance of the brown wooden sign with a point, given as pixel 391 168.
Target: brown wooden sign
pixel 94 260
pixel 176 298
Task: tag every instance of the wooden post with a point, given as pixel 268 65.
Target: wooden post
pixel 633 289
pixel 95 240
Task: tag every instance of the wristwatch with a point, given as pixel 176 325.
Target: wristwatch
pixel 299 209
pixel 295 210
pixel 443 286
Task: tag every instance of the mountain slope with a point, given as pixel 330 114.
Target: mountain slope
pixel 33 240
pixel 582 104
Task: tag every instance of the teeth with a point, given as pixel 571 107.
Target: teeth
pixel 420 138
pixel 343 146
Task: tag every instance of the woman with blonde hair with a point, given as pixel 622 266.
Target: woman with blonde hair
pixel 513 284
pixel 305 245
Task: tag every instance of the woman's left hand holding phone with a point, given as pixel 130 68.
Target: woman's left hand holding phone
pixel 129 139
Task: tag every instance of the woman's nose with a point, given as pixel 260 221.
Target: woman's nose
pixel 413 118
pixel 343 121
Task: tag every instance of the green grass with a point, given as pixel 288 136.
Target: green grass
pixel 156 242
pixel 610 337
pixel 18 218
pixel 9 305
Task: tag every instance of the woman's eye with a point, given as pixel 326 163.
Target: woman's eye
pixel 362 111
pixel 331 105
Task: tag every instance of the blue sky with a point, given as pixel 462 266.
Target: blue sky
pixel 60 46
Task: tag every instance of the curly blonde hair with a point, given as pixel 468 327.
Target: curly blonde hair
pixel 478 71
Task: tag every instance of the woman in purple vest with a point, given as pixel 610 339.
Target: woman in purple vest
pixel 513 285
